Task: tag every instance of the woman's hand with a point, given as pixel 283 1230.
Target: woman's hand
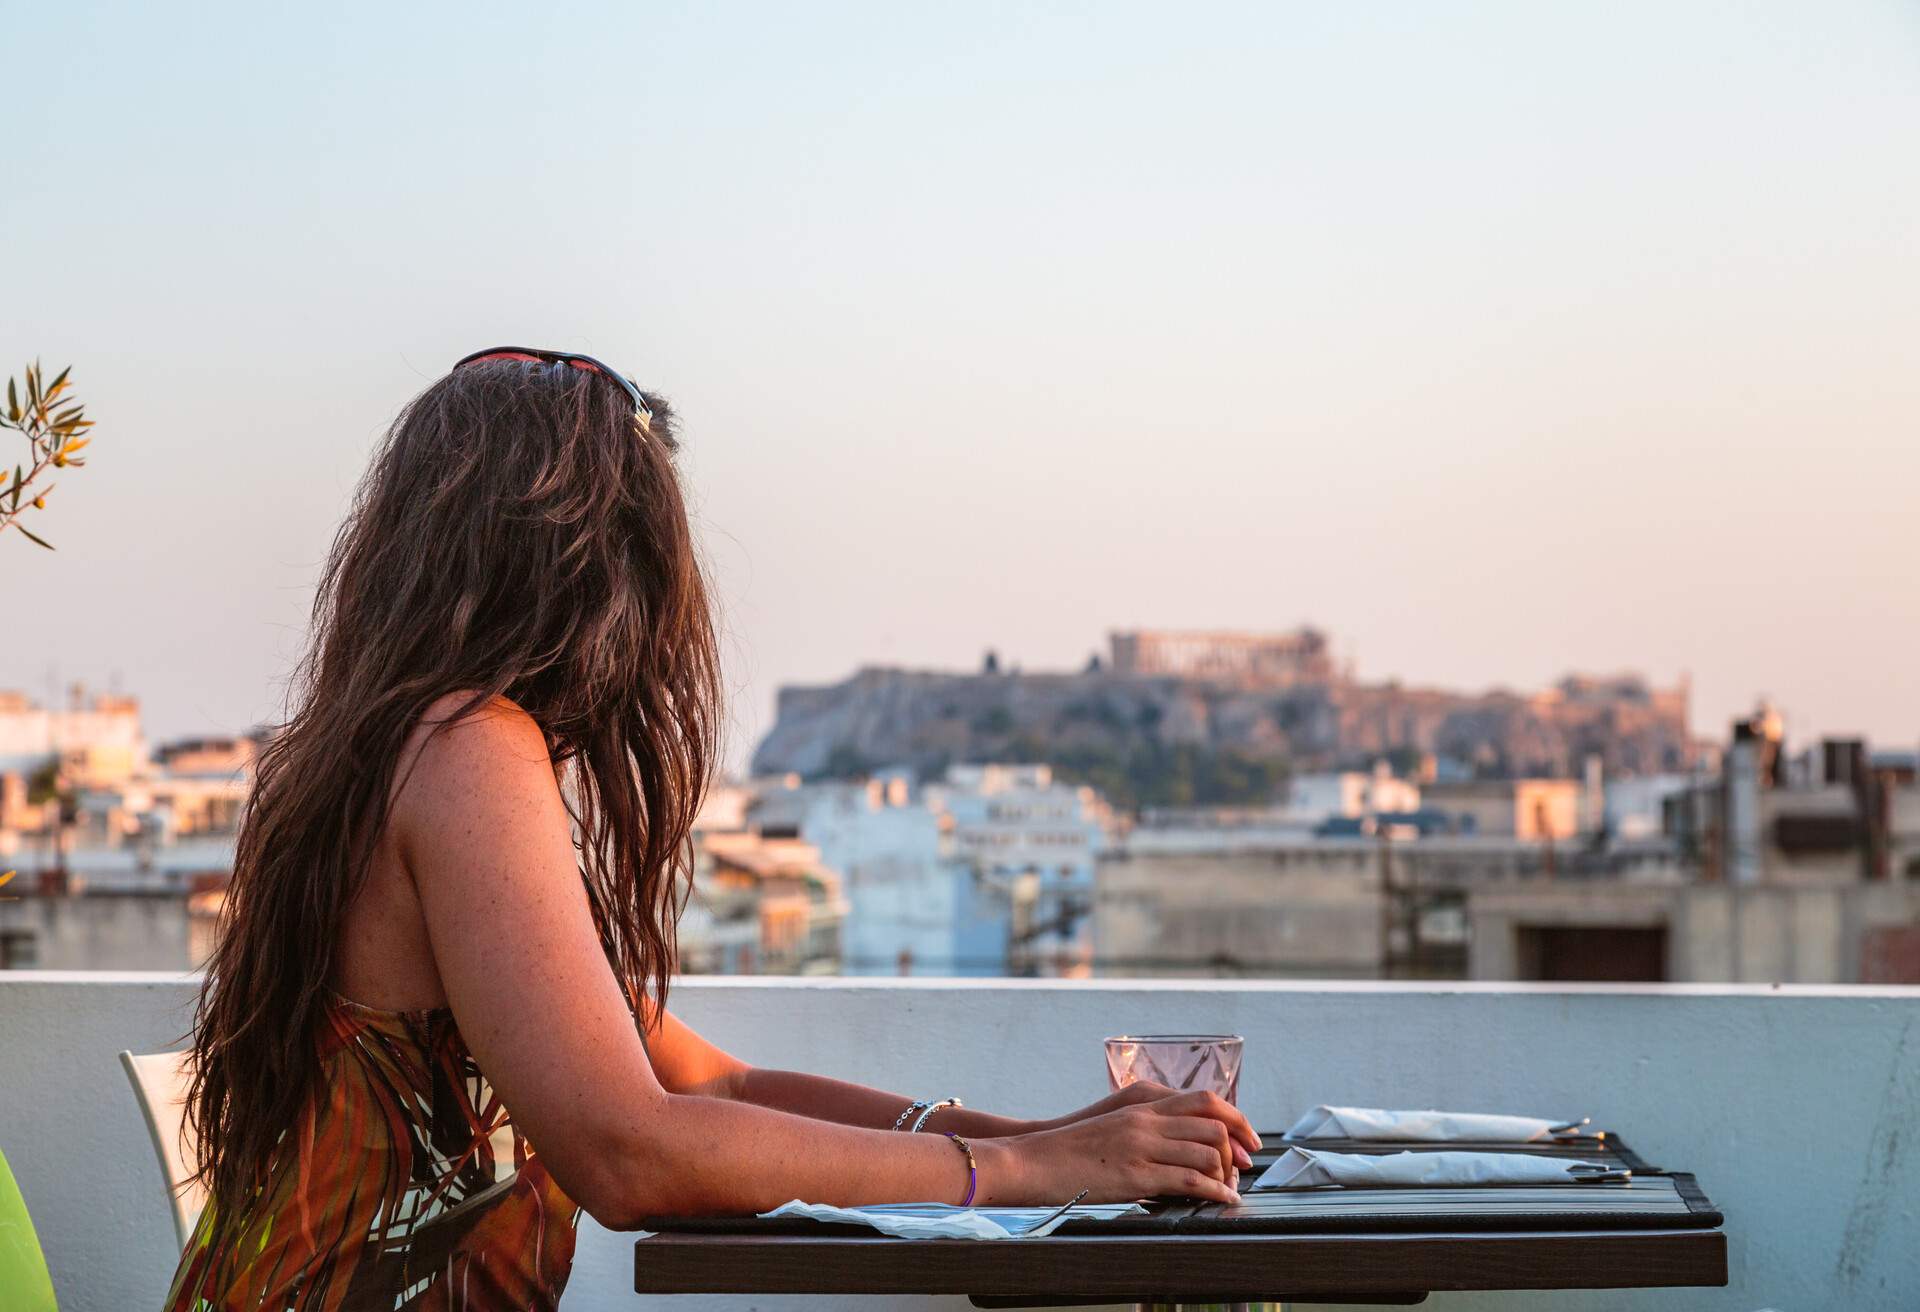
pixel 1139 1091
pixel 1188 1144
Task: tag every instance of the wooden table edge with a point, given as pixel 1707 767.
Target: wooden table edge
pixel 1106 1268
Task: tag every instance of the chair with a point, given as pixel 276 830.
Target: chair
pixel 23 1268
pixel 160 1087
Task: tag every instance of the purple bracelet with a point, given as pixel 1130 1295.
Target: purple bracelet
pixel 973 1171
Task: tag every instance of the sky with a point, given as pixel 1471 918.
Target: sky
pixel 1496 339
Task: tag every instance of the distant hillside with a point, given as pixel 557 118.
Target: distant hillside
pixel 1173 740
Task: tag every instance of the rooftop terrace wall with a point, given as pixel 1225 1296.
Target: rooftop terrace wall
pixel 1799 1108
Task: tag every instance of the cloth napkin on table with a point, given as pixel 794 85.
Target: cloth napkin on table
pixel 1325 1122
pixel 943 1221
pixel 1301 1167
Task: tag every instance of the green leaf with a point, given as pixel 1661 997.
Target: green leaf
pixel 60 378
pixel 13 402
pixel 33 537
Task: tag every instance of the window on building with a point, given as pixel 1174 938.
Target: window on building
pixel 19 949
pixel 1615 954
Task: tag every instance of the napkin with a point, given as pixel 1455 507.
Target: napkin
pixel 1325 1122
pixel 1299 1168
pixel 943 1221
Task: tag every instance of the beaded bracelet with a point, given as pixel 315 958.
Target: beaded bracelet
pixel 931 1108
pixel 973 1169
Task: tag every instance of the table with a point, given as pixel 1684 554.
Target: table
pixel 1060 1270
pixel 1369 1246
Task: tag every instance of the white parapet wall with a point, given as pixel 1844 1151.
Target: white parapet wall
pixel 1799 1108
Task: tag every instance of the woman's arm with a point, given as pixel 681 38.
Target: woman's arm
pixel 685 1062
pixel 486 839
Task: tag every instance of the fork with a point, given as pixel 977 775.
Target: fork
pixel 1048 1219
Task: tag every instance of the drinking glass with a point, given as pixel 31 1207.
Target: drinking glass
pixel 1182 1062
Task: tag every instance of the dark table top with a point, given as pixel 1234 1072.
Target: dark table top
pixel 1390 1245
pixel 1173 1268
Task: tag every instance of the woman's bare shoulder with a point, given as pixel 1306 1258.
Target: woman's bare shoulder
pixel 462 731
pixel 473 773
pixel 472 711
pixel 472 752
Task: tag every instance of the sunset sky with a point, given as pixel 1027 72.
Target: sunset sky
pixel 1495 339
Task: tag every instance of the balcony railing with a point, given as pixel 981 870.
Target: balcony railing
pixel 1797 1107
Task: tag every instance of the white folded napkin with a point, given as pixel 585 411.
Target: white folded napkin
pixel 1299 1168
pixel 944 1221
pixel 1325 1122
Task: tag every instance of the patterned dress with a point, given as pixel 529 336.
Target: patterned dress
pixel 405 1185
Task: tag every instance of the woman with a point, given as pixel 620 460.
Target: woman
pixel 455 893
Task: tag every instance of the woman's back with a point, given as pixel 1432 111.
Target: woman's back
pixel 405 1185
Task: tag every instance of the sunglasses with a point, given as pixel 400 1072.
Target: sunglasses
pixel 587 362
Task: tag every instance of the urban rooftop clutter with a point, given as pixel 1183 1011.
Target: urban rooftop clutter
pixel 1762 860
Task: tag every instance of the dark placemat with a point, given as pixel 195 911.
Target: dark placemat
pixel 1653 1199
pixel 1667 1201
pixel 1646 1202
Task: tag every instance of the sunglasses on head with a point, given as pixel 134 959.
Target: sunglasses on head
pixel 587 362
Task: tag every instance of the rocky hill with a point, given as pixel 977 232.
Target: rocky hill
pixel 1167 740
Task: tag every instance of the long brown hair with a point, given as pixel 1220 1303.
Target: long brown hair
pixel 520 533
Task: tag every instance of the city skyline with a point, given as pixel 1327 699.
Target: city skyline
pixel 1498 341
pixel 57 692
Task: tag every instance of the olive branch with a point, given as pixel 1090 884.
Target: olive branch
pixel 54 425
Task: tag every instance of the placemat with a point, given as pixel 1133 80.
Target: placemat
pixel 1645 1202
pixel 1653 1199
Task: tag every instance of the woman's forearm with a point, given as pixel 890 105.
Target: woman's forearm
pixel 688 1154
pixel 684 1062
pixel 826 1099
pixel 706 1155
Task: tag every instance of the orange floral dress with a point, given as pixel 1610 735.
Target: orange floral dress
pixel 405 1185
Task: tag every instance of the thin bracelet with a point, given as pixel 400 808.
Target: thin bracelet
pixel 912 1107
pixel 931 1108
pixel 973 1169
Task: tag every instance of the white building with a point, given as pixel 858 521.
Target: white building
pixel 762 901
pixel 1021 830
pixel 97 737
pixel 1634 805
pixel 913 906
pixel 1352 795
pixel 989 872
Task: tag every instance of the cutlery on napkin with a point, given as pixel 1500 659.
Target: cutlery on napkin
pixel 1300 1168
pixel 1364 1123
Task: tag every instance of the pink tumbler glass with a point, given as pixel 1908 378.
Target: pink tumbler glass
pixel 1182 1062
